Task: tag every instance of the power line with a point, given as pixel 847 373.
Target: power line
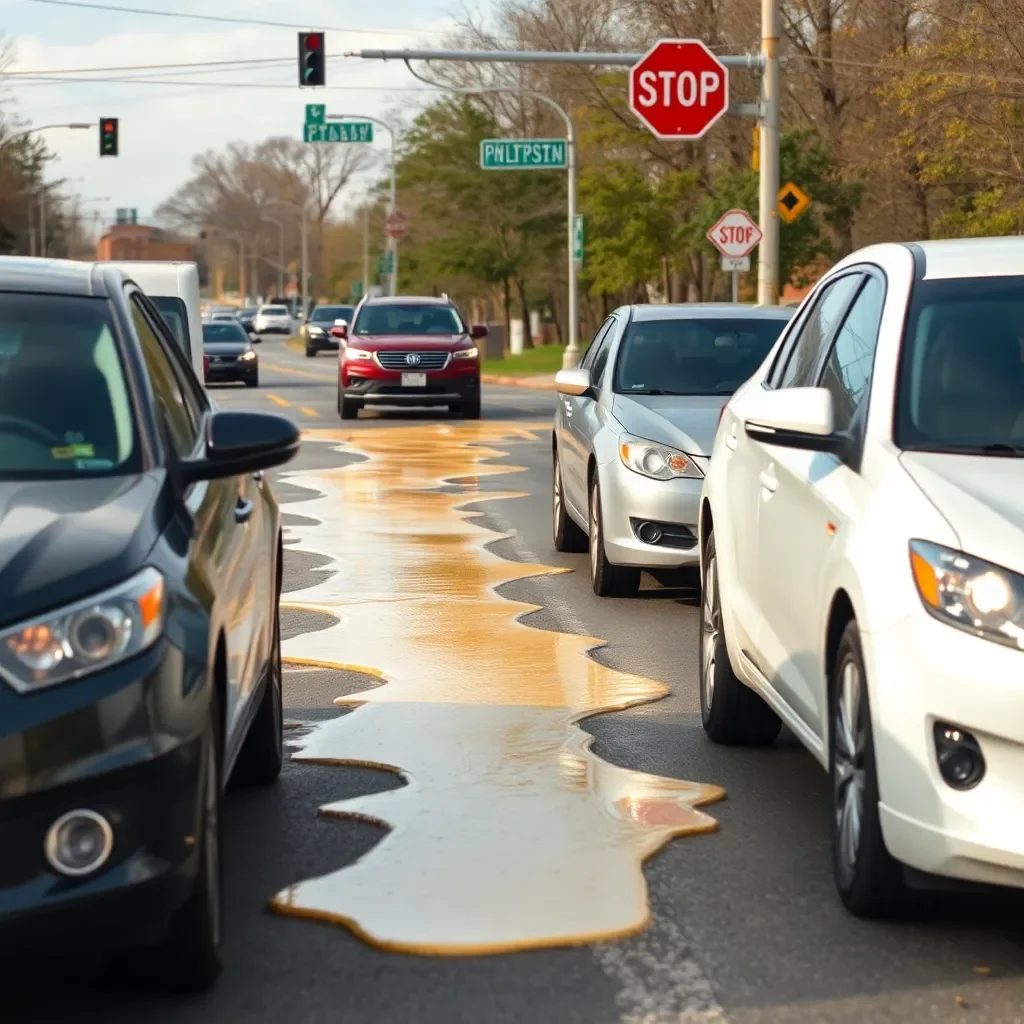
pixel 226 19
pixel 377 87
pixel 154 67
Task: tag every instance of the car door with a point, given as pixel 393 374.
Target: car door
pixel 221 538
pixel 572 453
pixel 588 413
pixel 792 523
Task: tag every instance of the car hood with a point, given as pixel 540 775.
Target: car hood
pixel 980 497
pixel 225 348
pixel 686 422
pixel 65 539
pixel 422 342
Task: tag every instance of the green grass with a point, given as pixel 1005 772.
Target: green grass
pixel 534 360
pixel 296 343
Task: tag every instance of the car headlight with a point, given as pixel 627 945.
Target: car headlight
pixel 466 353
pixel 657 461
pixel 248 356
pixel 357 355
pixel 315 330
pixel 86 636
pixel 969 593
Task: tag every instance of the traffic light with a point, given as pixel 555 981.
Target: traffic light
pixel 108 136
pixel 312 63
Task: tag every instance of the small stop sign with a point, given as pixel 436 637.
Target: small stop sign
pixel 679 89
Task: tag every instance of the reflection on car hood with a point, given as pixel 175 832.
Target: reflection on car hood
pixel 980 497
pixel 225 348
pixel 65 539
pixel 421 342
pixel 685 422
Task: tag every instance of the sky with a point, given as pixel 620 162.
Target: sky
pixel 168 115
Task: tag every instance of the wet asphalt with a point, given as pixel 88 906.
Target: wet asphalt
pixel 745 924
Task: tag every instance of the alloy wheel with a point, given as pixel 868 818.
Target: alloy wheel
pixel 711 626
pixel 849 743
pixel 595 533
pixel 557 495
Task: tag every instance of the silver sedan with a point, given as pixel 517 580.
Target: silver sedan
pixel 634 427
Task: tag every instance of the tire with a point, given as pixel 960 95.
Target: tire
pixel 731 712
pixel 868 878
pixel 347 408
pixel 310 352
pixel 471 407
pixel 568 537
pixel 253 382
pixel 607 580
pixel 262 754
pixel 189 957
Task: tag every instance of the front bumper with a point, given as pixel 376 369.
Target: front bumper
pixel 235 370
pixel 921 671
pixel 629 499
pixel 127 744
pixel 321 342
pixel 382 387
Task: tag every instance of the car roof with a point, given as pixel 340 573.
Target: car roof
pixel 709 310
pixel 973 257
pixel 403 300
pixel 53 277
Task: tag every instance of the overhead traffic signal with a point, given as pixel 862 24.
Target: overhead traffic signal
pixel 312 62
pixel 108 136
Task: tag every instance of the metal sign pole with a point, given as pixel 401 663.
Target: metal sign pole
pixel 735 285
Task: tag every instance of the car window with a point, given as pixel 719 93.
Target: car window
pixel 847 373
pixel 694 355
pixel 65 409
pixel 595 343
pixel 182 429
pixel 221 331
pixel 601 357
pixel 961 378
pixel 328 314
pixel 275 310
pixel 815 332
pixel 409 318
pixel 175 315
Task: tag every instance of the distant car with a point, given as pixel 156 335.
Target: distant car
pixel 232 357
pixel 633 431
pixel 272 320
pixel 862 546
pixel 409 352
pixel 140 666
pixel 316 331
pixel 246 316
pixel 229 315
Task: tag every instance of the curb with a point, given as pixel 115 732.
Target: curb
pixel 540 382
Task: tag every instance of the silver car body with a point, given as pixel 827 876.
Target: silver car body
pixel 587 433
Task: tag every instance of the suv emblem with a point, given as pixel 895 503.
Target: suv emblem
pixel 413 359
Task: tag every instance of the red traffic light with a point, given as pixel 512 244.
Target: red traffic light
pixel 108 126
pixel 313 41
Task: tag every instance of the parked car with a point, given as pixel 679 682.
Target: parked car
pixel 633 430
pixel 316 331
pixel 409 352
pixel 132 684
pixel 232 357
pixel 862 546
pixel 272 320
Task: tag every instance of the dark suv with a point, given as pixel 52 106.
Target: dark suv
pixel 409 352
pixel 316 331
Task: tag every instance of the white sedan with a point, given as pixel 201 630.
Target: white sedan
pixel 862 554
pixel 272 320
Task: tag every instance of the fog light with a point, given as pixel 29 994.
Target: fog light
pixel 79 843
pixel 961 763
pixel 650 533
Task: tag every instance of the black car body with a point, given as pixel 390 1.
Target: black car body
pixel 232 357
pixel 245 318
pixel 316 331
pixel 140 569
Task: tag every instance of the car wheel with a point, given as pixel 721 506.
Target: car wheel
pixel 262 755
pixel 607 580
pixel 567 535
pixel 310 352
pixel 347 408
pixel 869 879
pixel 471 407
pixel 253 381
pixel 730 711
pixel 189 958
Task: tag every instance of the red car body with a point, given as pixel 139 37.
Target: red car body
pixel 408 369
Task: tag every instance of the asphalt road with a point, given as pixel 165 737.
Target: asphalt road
pixel 745 923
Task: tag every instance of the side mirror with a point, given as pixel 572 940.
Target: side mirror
pixel 242 442
pixel 794 418
pixel 340 329
pixel 254 338
pixel 478 331
pixel 574 382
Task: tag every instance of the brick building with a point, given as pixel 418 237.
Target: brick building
pixel 141 242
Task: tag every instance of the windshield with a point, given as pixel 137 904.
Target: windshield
pixel 331 313
pixel 64 406
pixel 172 309
pixel 409 319
pixel 224 331
pixel 274 311
pixel 693 356
pixel 961 381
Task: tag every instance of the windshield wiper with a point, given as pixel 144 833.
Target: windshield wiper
pixel 652 391
pixel 997 450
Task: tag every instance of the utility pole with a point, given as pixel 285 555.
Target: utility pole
pixel 366 249
pixel 769 183
pixel 43 247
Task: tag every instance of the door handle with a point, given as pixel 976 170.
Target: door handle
pixel 768 481
pixel 243 510
pixel 731 442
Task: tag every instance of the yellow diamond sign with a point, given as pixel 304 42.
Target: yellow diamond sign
pixel 793 201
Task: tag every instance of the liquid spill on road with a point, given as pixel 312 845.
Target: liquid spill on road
pixel 511 833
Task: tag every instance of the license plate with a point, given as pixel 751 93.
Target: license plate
pixel 414 380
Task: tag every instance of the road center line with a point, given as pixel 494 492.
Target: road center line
pixel 277 400
pixel 278 368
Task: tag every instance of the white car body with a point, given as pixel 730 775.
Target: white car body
pixel 271 319
pixel 806 538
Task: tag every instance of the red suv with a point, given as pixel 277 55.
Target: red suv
pixel 409 352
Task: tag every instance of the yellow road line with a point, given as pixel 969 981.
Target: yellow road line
pixel 306 411
pixel 277 400
pixel 278 368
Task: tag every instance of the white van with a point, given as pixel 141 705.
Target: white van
pixel 174 289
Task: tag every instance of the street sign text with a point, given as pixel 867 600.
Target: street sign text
pixel 735 234
pixel 522 154
pixel 339 131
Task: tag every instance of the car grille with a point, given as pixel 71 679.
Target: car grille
pixel 428 360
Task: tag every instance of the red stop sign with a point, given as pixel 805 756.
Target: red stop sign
pixel 679 89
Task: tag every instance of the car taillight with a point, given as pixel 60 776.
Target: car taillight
pixel 206 364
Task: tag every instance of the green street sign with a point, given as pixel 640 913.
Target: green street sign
pixel 339 131
pixel 385 263
pixel 357 289
pixel 523 154
pixel 316 113
pixel 578 238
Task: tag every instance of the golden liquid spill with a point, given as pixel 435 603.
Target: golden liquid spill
pixel 510 833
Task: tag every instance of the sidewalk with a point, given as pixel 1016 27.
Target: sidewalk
pixel 538 381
